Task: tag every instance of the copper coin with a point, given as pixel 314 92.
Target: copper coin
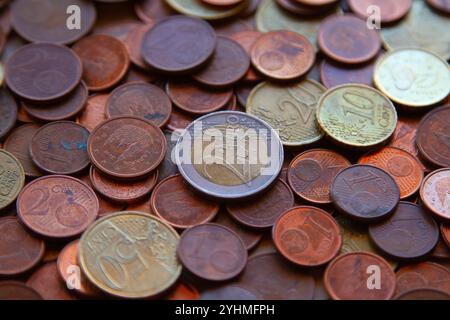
pixel 150 10
pixel 67 265
pixel 298 7
pixel 61 110
pixel 424 294
pixel 228 65
pixel 442 5
pixel 192 98
pixel 441 251
pixel 55 71
pixel 445 231
pixel 282 55
pixel 141 100
pixel 18 143
pixel 435 193
pixel 57 206
pixel 174 202
pixel 246 39
pixel 105 61
pixel 228 292
pixel 19 250
pixel 47 282
pixel 179 120
pixel 8 110
pixel 49 21
pixel 137 74
pixel 60 147
pixel 333 74
pixel 365 193
pixel 23 116
pixel 126 147
pixel 402 166
pixel 433 137
pixel 168 167
pixel 178 44
pixel 228 27
pixel 317 3
pixel 94 112
pixel 15 290
pixel 122 191
pixel 423 275
pixel 310 174
pixel 242 92
pixel 263 211
pixel 184 291
pixel 133 42
pixel 347 277
pixel 141 206
pixel 222 3
pixel 347 39
pixel 410 233
pixel 390 10
pixel 212 252
pixel 300 231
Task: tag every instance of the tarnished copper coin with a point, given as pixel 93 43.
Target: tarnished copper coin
pixel 263 211
pixel 94 111
pixel 141 100
pixel 133 42
pixel 122 191
pixel 212 252
pixel 222 3
pixel 311 172
pixel 64 109
pixel 424 294
pixel 57 206
pixel 19 250
pixel 246 39
pixel 126 147
pixel 18 144
pixel 12 178
pixel 346 39
pixel 150 10
pixel 435 193
pixel 300 231
pixel 49 20
pixel 365 193
pixel 194 99
pixel 15 290
pixel 317 3
pixel 442 5
pixel 402 166
pixel 105 61
pixel 390 10
pixel 282 55
pixel 347 277
pixel 422 275
pixel 42 72
pixel 445 231
pixel 179 120
pixel 228 65
pixel 60 147
pixel 334 74
pixel 178 44
pixel 433 137
pixel 178 205
pixel 305 10
pixel 8 110
pixel 410 233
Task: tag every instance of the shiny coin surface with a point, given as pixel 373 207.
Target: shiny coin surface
pixel 12 178
pixel 390 10
pixel 434 193
pixel 8 110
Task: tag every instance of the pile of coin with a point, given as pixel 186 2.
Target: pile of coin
pixel 117 178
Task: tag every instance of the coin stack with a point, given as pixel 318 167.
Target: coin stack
pixel 101 193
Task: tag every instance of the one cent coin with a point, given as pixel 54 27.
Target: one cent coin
pixel 8 110
pixel 390 11
pixel 212 252
pixel 282 55
pixel 55 71
pixel 57 206
pixel 178 44
pixel 263 211
pixel 12 178
pixel 141 100
pixel 347 277
pixel 433 137
pixel 311 172
pixel 19 250
pixel 15 290
pixel 60 147
pixel 346 39
pixel 130 255
pixel 402 166
pixel 105 61
pixel 424 294
pixel 175 203
pixel 246 39
pixel 334 74
pixel 126 147
pixel 435 194
pixel 301 230
pixel 410 233
pixel 365 193
pixel 94 112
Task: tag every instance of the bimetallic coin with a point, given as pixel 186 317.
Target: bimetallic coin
pixel 413 77
pixel 247 157
pixel 8 110
pixel 12 178
pixel 435 193
pixel 289 109
pixel 130 255
pixel 198 9
pixel 356 115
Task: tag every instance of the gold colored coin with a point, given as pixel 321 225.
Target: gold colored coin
pixel 413 77
pixel 2 74
pixel 421 28
pixel 130 255
pixel 289 109
pixel 199 9
pixel 12 178
pixel 356 115
pixel 270 17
